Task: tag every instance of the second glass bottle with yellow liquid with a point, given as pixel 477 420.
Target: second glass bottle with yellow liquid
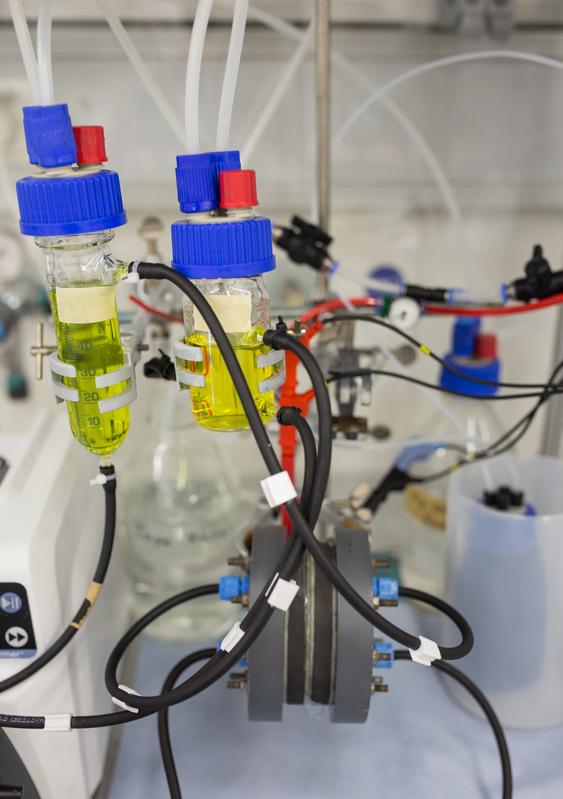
pixel 225 249
pixel 70 207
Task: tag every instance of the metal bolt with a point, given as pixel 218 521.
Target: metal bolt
pixel 240 561
pixel 240 600
pixel 40 350
pixel 378 686
pixel 377 656
pixel 238 681
pixel 377 563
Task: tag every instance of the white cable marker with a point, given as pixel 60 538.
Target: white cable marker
pixel 102 479
pixel 232 638
pixel 282 593
pixel 124 705
pixel 278 489
pixel 58 722
pixel 427 652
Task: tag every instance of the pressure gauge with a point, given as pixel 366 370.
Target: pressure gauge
pixel 404 312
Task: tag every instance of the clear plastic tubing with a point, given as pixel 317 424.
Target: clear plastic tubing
pixel 276 96
pixel 44 61
pixel 26 47
pixel 462 58
pixel 503 572
pixel 153 89
pixel 231 74
pixel 193 74
pixel 477 296
pixel 421 145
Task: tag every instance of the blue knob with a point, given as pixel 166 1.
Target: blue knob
pixel 384 657
pixel 231 585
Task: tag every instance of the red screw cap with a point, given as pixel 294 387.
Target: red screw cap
pixel 486 346
pixel 90 144
pixel 237 189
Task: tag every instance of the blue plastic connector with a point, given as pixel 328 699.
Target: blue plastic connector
pixel 48 135
pixel 386 589
pixel 231 585
pixel 197 179
pixel 386 655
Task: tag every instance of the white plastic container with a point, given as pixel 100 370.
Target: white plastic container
pixel 504 574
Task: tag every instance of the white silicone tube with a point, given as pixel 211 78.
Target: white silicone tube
pixel 26 47
pixel 193 74
pixel 44 60
pixel 231 74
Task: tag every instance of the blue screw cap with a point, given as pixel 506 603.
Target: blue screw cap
pixel 48 135
pixel 231 585
pixel 197 179
pixel 66 206
pixel 223 249
pixel 463 357
pixel 386 588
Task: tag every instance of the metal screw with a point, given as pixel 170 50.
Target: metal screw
pixel 240 600
pixel 40 350
pixel 377 656
pixel 378 686
pixel 238 681
pixel 376 563
pixel 240 561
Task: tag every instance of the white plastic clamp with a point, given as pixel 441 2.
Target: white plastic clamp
pixel 281 593
pixel 124 705
pixel 232 638
pixel 133 276
pixel 58 722
pixel 278 488
pixel 427 652
pixel 102 479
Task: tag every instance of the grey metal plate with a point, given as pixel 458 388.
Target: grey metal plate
pixel 354 637
pixel 266 669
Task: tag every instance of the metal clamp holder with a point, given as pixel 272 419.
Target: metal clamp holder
pixel 186 352
pixel 271 358
pixel 123 374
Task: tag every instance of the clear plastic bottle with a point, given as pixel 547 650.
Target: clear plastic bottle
pixel 184 516
pixel 225 249
pixel 421 508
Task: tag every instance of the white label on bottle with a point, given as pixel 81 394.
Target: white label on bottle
pixel 85 304
pixel 234 312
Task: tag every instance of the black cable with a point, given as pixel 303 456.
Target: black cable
pixel 375 320
pixel 163 720
pixel 93 591
pixel 335 376
pixel 289 415
pixel 496 448
pixel 280 339
pixel 487 709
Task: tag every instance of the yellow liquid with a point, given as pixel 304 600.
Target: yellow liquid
pixel 216 405
pixel 94 349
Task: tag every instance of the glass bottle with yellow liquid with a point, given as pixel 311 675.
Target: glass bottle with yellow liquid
pixel 71 206
pixel 225 252
pixel 81 278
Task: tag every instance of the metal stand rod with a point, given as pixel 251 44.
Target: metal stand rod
pixel 553 424
pixel 323 107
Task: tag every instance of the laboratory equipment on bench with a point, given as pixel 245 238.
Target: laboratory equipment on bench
pixel 225 249
pixel 52 521
pixel 321 651
pixel 184 516
pixel 71 212
pixel 462 424
pixel 503 573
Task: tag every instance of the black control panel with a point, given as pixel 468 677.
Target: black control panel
pixel 17 639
